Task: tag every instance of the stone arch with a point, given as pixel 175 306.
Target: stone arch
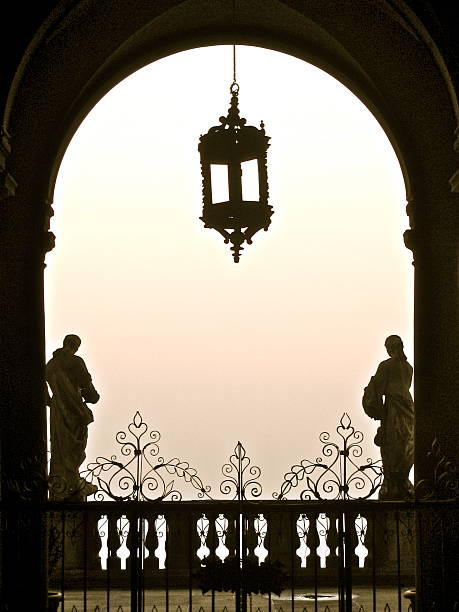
pixel 81 52
pixel 386 53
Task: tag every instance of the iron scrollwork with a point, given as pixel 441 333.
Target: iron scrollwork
pixel 143 477
pixel 342 477
pixel 29 481
pixel 444 484
pixel 241 476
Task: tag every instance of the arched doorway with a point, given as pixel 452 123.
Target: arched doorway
pixel 276 348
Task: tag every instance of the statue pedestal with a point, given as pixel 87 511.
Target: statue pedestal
pixel 73 546
pixel 393 547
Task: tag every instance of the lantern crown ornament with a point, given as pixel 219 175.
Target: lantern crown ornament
pixel 230 145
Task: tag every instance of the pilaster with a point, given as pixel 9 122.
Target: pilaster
pixel 23 412
pixel 432 238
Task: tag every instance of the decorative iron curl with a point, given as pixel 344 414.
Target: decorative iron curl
pixel 143 477
pixel 237 471
pixel 341 477
pixel 28 479
pixel 444 484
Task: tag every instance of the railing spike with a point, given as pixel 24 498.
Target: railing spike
pixel 154 609
pixel 179 608
pixel 387 608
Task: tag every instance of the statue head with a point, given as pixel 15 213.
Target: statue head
pixel 72 342
pixel 394 347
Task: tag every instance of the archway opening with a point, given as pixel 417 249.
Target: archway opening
pixel 272 350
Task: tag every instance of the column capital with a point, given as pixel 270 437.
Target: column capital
pixel 49 242
pixel 409 235
pixel 48 237
pixel 410 239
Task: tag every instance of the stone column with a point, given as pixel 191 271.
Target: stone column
pixel 23 410
pixel 434 241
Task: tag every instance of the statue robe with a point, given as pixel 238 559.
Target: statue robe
pixel 71 385
pixel 387 398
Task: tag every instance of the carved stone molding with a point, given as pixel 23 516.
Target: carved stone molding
pixel 410 210
pixel 454 182
pixel 7 183
pixel 456 140
pixel 49 238
pixel 409 236
pixel 49 242
pixel 410 240
pixel 49 212
pixel 5 148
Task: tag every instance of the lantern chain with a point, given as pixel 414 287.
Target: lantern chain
pixel 233 18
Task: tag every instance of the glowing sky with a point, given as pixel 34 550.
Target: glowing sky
pixel 269 351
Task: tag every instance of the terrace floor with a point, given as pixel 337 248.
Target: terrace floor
pixel 387 600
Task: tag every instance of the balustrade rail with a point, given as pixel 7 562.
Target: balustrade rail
pixel 287 554
pixel 140 547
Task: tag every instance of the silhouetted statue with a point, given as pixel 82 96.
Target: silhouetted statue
pixel 71 386
pixel 387 398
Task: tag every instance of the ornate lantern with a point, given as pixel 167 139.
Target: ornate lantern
pixel 229 145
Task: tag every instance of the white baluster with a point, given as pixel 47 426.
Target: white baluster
pixel 302 529
pixel 102 530
pixel 161 534
pixel 123 553
pixel 202 527
pixel 145 553
pixel 323 526
pixel 221 528
pixel 261 527
pixel 361 529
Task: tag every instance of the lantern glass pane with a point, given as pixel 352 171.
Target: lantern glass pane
pixel 250 189
pixel 219 178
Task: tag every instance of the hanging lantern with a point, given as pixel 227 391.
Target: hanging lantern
pixel 235 152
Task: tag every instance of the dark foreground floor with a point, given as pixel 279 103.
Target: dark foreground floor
pixel 387 600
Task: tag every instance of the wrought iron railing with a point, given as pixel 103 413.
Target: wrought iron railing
pixel 140 546
pixel 359 554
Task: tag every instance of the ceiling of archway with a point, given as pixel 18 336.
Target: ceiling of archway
pixel 372 47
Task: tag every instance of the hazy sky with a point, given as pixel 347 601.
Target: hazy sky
pixel 272 350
